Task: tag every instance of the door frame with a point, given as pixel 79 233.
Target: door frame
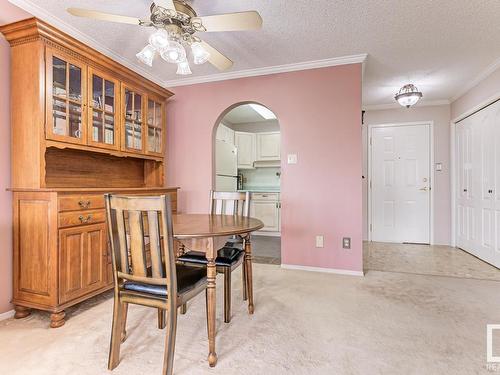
pixel 453 160
pixel 370 128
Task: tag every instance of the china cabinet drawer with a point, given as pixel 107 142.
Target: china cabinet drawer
pixel 265 196
pixel 71 219
pixel 80 202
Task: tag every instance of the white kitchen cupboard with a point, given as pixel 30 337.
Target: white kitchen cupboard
pixel 268 146
pixel 266 207
pixel 225 134
pixel 478 184
pixel 245 143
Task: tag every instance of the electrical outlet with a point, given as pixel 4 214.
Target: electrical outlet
pixel 346 242
pixel 320 241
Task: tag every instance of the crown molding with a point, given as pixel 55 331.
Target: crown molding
pixel 395 105
pixel 44 15
pixel 314 64
pixel 480 77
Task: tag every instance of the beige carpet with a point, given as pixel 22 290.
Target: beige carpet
pixel 305 323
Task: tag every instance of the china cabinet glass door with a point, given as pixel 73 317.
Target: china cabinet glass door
pixel 66 99
pixel 155 127
pixel 103 128
pixel 133 102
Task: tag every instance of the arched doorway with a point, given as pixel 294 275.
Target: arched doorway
pixel 247 157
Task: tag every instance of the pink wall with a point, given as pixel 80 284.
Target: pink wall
pixel 484 90
pixel 319 113
pixel 440 115
pixel 9 13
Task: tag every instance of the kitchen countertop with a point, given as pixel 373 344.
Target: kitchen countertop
pixel 261 190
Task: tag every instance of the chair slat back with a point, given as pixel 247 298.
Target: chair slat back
pixel 230 203
pixel 136 224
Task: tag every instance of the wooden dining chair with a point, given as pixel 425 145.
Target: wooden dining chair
pixel 156 281
pixel 233 253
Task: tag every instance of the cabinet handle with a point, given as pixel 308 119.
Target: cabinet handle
pixel 85 220
pixel 84 204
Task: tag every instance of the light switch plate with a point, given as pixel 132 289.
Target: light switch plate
pixel 292 158
pixel 346 242
pixel 320 241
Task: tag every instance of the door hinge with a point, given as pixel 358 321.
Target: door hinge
pixel 370 184
pixel 371 227
pixel 370 141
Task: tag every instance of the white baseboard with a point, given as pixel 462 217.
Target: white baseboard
pixel 268 234
pixel 324 270
pixel 7 315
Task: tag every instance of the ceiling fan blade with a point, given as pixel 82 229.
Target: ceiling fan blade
pixel 250 20
pixel 103 16
pixel 216 58
pixel 167 4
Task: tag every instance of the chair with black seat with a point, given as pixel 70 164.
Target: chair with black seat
pixel 160 282
pixel 233 253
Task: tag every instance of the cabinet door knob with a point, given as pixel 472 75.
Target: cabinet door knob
pixel 490 191
pixel 465 190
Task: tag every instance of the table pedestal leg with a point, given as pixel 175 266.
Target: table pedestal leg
pixel 249 281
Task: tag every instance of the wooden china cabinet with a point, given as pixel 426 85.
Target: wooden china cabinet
pixel 82 125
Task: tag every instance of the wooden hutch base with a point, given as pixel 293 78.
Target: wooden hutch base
pixel 82 126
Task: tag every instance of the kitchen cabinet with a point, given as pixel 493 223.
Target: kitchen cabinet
pixel 268 146
pixel 267 208
pixel 245 143
pixel 225 134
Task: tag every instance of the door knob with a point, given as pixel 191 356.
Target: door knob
pixel 423 189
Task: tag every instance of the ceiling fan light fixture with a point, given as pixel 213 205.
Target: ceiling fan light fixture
pixel 174 53
pixel 200 54
pixel 183 68
pixel 146 55
pixel 408 95
pixel 159 39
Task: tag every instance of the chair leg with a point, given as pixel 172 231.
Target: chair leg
pixel 168 359
pixel 227 294
pixel 161 319
pixel 116 332
pixel 124 321
pixel 184 308
pixel 244 277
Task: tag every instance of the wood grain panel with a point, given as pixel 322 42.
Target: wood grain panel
pixel 35 247
pixel 69 168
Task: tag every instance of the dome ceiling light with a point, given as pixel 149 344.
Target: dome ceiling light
pixel 408 95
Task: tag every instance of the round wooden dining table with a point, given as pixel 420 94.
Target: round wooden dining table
pixel 208 233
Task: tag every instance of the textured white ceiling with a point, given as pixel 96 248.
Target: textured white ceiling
pixel 438 45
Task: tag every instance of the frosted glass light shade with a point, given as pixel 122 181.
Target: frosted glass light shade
pixel 200 54
pixel 174 52
pixel 183 68
pixel 159 39
pixel 408 95
pixel 146 55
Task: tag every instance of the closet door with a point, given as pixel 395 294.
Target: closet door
pixel 465 205
pixel 496 184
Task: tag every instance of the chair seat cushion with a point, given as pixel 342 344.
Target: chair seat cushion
pixel 188 278
pixel 226 257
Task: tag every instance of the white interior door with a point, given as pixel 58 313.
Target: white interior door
pixel 478 182
pixel 400 183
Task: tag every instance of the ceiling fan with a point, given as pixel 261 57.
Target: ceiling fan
pixel 176 23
